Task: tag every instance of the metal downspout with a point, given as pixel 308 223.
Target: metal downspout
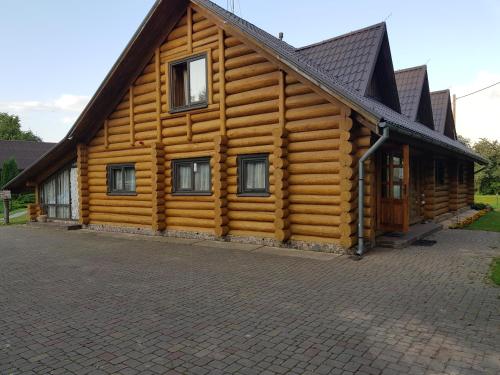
pixel 361 185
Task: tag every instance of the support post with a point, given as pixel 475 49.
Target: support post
pixel 6 212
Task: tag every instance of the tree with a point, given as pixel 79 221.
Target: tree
pixel 466 141
pixel 9 171
pixel 488 180
pixel 10 129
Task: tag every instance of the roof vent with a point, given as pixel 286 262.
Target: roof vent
pixel 280 35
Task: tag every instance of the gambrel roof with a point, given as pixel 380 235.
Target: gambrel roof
pixel 414 94
pixel 158 24
pixel 444 122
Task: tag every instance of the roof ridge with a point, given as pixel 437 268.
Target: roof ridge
pixel 440 91
pixel 418 67
pixel 25 141
pixel 350 33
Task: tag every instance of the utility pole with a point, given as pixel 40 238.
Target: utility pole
pixel 230 6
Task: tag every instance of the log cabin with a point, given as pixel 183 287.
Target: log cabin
pixel 209 127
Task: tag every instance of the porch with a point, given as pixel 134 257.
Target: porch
pixel 415 189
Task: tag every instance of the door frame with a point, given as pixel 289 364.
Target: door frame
pixel 404 151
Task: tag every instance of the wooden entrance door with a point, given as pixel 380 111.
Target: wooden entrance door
pixel 393 192
pixel 416 210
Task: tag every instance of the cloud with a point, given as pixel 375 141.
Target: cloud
pixel 65 103
pixel 478 115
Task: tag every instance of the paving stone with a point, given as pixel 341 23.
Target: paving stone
pixel 107 304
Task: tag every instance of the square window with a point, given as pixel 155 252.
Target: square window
pixel 191 177
pixel 253 174
pixel 121 179
pixel 188 79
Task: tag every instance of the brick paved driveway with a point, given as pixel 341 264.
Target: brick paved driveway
pixel 88 303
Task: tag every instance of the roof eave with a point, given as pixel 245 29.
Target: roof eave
pixel 404 131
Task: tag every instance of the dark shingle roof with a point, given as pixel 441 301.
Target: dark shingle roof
pixel 165 10
pixel 410 82
pixel 440 102
pixel 301 63
pixel 350 57
pixel 25 152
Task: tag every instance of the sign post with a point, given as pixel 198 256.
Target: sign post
pixel 5 196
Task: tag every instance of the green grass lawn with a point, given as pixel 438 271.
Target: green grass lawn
pixel 489 222
pixel 18 220
pixel 495 271
pixel 488 199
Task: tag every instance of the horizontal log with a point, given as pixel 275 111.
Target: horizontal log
pixel 251 226
pixel 314 219
pixel 252 83
pixel 304 100
pixel 296 89
pixel 186 223
pixel 249 71
pixel 241 61
pixel 314 190
pixel 253 96
pixel 315 230
pixel 314 179
pixel 193 213
pixel 315 209
pixel 312 157
pixel 303 113
pixel 254 120
pixel 253 109
pixel 317 145
pixel 319 123
pixel 114 218
pixel 315 167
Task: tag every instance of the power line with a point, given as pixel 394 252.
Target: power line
pixel 475 92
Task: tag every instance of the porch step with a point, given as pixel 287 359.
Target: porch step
pixel 416 232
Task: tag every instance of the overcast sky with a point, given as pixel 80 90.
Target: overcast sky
pixel 55 53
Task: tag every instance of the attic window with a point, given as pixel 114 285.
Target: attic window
pixel 188 79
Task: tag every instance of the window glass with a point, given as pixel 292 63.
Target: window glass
pixel 179 85
pixel 202 176
pixel 185 177
pixel 191 176
pixel 55 195
pixel 255 171
pixel 396 191
pixel 198 81
pixel 121 179
pixel 253 174
pixel 129 179
pixel 117 179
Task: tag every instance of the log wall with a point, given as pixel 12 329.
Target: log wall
pixel 253 107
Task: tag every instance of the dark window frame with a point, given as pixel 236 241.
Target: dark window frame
pixel 244 192
pixel 110 179
pixel 187 61
pixel 176 178
pixel 440 172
